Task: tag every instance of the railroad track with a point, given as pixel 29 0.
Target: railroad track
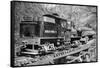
pixel 50 58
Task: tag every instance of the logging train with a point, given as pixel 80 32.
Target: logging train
pixel 50 31
pixel 50 34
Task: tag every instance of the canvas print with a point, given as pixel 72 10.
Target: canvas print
pixel 52 33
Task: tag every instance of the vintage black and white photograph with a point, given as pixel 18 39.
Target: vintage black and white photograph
pixel 53 33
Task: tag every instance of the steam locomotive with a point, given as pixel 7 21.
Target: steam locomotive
pixel 47 33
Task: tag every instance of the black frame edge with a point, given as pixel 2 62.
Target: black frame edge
pixel 12 7
pixel 56 3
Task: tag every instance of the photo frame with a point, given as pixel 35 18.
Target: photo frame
pixel 45 33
